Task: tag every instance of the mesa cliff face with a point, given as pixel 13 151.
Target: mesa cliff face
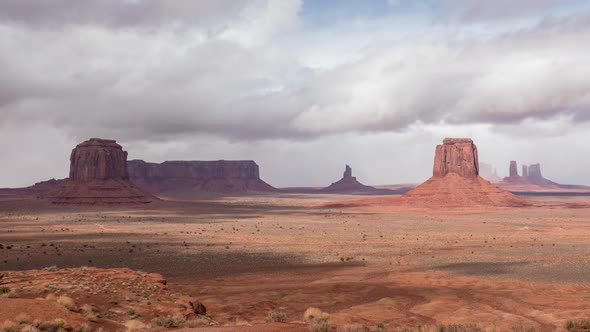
pixel 98 175
pixel 221 176
pixel 456 182
pixel 98 159
pixel 456 155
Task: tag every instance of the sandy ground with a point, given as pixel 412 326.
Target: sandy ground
pixel 362 262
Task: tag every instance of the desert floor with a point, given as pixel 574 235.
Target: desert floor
pixel 362 259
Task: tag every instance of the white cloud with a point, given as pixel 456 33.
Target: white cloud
pixel 248 79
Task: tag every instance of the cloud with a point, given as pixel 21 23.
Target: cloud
pixel 504 9
pixel 91 79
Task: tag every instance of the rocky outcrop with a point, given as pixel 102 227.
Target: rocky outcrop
pixel 456 182
pixel 184 178
pixel 534 172
pixel 348 184
pixel 98 175
pixel 513 169
pixel 525 171
pixel 456 155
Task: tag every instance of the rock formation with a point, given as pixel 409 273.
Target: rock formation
pixel 531 177
pixel 456 155
pixel 185 178
pixel 532 180
pixel 456 180
pixel 98 159
pixel 348 184
pixel 98 175
pixel 535 171
pixel 513 169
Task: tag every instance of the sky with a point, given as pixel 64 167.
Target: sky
pixel 302 87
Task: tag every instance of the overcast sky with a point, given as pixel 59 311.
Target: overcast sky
pixel 301 87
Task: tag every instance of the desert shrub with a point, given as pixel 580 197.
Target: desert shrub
pixel 7 292
pixel 56 325
pixel 276 316
pixel 459 328
pixel 23 318
pixel 191 323
pixel 28 328
pixel 9 326
pixel 83 328
pixel 169 321
pixel 441 328
pixel 134 324
pixel 578 325
pixel 355 327
pixel 318 325
pixel 67 302
pixel 89 313
pixel 315 313
pixel 316 320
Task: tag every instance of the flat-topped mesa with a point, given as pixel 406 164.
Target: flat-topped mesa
pixel 186 178
pixel 98 175
pixel 513 169
pixel 456 155
pixel 525 171
pixel 98 159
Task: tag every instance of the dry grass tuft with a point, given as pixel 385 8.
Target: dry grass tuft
pixel 83 328
pixel 89 313
pixel 578 325
pixel 442 328
pixel 355 327
pixel 56 325
pixel 134 324
pixel 318 325
pixel 23 318
pixel 169 321
pixel 68 303
pixel 28 328
pixel 9 326
pixel 7 292
pixel 276 316
pixel 316 319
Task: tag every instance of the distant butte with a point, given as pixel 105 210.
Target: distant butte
pixel 456 180
pixel 532 180
pixel 348 184
pixel 98 175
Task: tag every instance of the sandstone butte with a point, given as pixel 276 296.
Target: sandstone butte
pixel 189 177
pixel 98 175
pixel 348 184
pixel 456 180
